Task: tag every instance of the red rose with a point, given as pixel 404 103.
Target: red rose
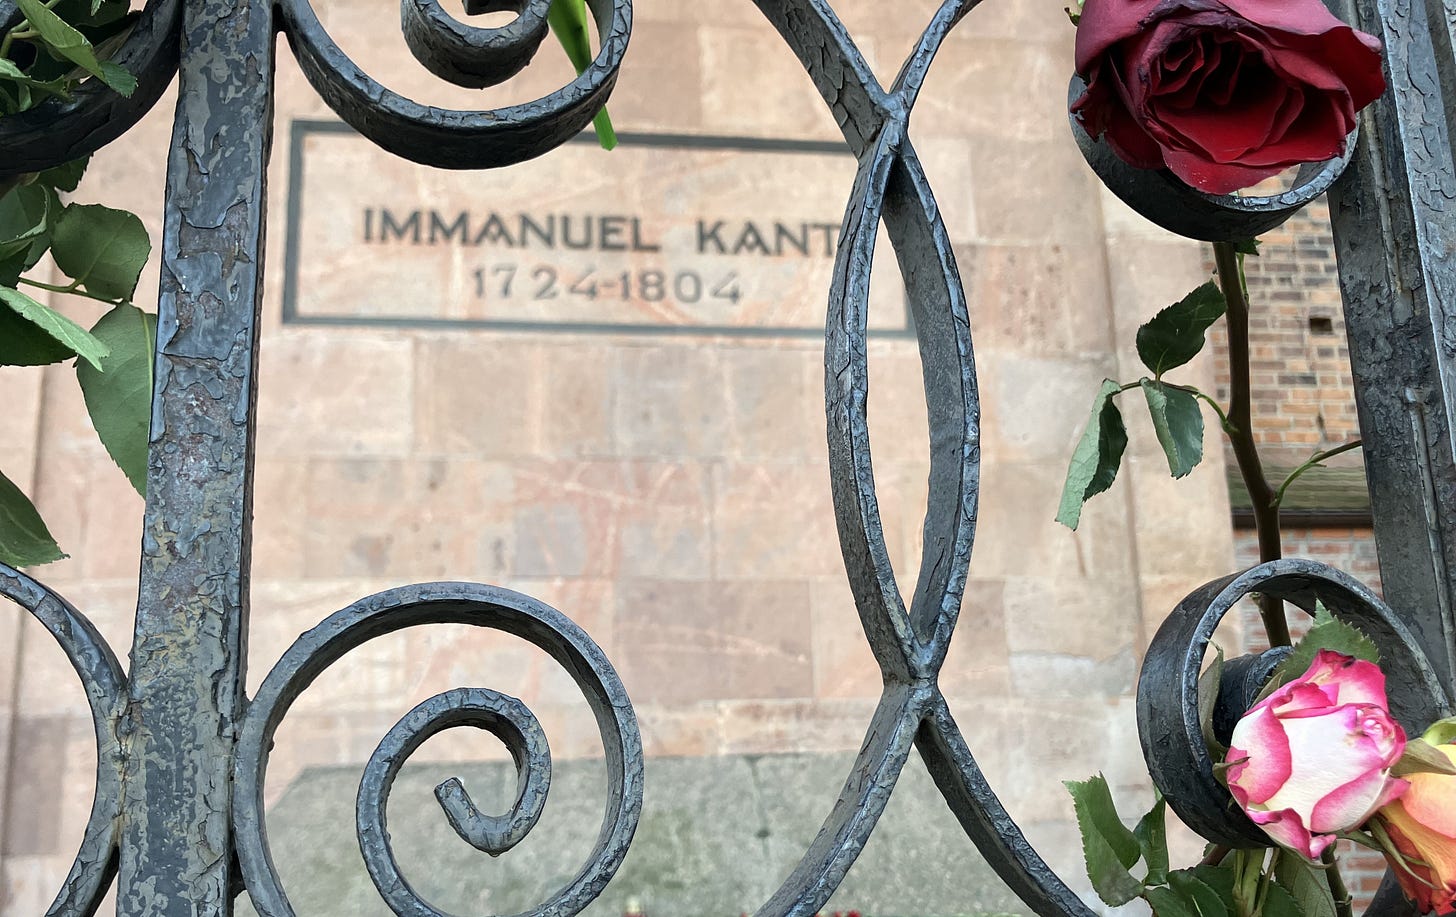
pixel 1224 93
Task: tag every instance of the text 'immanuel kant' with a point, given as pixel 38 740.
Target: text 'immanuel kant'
pixel 587 232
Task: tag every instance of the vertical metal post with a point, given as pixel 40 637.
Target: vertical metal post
pixel 1394 216
pixel 188 655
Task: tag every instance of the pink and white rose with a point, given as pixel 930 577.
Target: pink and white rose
pixel 1313 759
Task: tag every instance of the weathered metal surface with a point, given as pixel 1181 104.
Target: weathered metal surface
pixel 187 658
pixel 105 686
pixel 182 757
pixel 1395 229
pixel 458 139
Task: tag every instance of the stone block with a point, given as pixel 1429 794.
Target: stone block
pixel 773 522
pixel 603 518
pixel 684 642
pixel 1040 299
pixel 422 519
pixel 671 402
pixel 479 397
pixel 310 403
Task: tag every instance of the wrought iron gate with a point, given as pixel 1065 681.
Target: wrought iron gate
pixel 178 818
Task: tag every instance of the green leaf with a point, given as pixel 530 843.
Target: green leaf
pixel 24 217
pixel 1305 883
pixel 1441 732
pixel 1179 424
pixel 1209 889
pixel 1247 247
pixel 64 41
pixel 24 539
pixel 67 176
pixel 23 81
pixel 1168 903
pixel 1279 903
pixel 56 325
pixel 1109 848
pixel 1327 633
pixel 567 19
pixel 1099 453
pixel 1175 335
pixel 1152 836
pixel 1208 685
pixel 119 395
pixel 118 78
pixel 1421 757
pixel 104 249
pixel 25 344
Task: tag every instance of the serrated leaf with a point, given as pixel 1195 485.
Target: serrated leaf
pixel 104 249
pixel 1279 903
pixel 1421 757
pixel 1176 335
pixel 1209 889
pixel 1208 684
pixel 24 539
pixel 67 175
pixel 25 344
pixel 1305 883
pixel 56 325
pixel 1152 836
pixel 1179 424
pixel 24 218
pixel 119 396
pixel 1109 847
pixel 1168 903
pixel 1096 459
pixel 116 76
pixel 1326 633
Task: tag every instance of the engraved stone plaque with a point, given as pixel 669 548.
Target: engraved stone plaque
pixel 665 234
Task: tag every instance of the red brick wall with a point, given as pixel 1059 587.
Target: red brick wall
pixel 1298 360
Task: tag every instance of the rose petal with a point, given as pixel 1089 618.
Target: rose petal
pixel 1259 736
pixel 1356 680
pixel 1432 798
pixel 1103 24
pixel 1324 759
pixel 1350 805
pixel 1285 827
pixel 1298 17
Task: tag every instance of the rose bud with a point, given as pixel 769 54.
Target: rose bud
pixel 1224 93
pixel 1422 825
pixel 1313 758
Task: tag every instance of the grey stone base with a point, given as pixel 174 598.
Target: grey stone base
pixel 717 836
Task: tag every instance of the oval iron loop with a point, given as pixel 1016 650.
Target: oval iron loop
pixel 1167 695
pixel 57 132
pixel 457 139
pixel 891 188
pixel 105 685
pixel 1163 198
pixel 440 603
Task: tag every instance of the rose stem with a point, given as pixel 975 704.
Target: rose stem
pixel 1241 432
pixel 1336 883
